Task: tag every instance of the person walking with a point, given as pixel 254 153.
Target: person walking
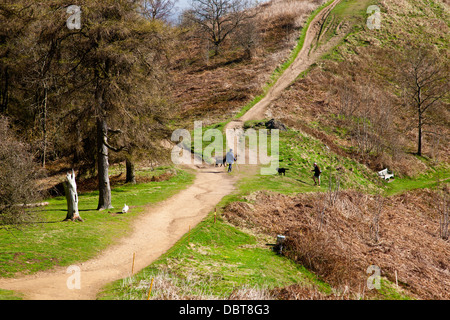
pixel 317 173
pixel 230 159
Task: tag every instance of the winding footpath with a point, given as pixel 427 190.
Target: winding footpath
pixel 163 224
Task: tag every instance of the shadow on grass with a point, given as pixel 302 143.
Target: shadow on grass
pixel 309 184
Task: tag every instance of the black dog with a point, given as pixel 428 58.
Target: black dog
pixel 282 171
pixel 221 161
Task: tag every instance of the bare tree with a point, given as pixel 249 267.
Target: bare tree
pixel 247 37
pixel 349 99
pixel 220 18
pixel 157 9
pixel 425 83
pixel 70 187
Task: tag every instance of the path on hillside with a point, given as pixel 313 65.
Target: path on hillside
pixel 305 58
pixel 163 224
pixel 154 232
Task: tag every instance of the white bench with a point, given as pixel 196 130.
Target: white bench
pixel 385 174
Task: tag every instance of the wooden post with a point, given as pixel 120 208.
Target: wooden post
pixel 150 290
pixel 189 235
pixel 215 213
pixel 396 279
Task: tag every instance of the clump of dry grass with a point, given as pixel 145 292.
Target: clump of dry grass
pixel 301 292
pixel 401 237
pixel 167 287
pixel 170 287
pixel 251 293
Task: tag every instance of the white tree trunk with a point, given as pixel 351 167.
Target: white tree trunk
pixel 70 188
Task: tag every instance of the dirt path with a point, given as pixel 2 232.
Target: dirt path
pixel 305 58
pixel 161 226
pixel 154 233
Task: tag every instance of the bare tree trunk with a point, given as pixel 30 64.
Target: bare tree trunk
pixel 104 187
pixel 131 176
pixel 419 142
pixel 70 188
pixel 44 127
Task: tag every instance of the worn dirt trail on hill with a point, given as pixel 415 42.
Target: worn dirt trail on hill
pixel 304 59
pixel 162 225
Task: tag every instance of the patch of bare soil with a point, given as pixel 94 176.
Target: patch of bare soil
pixel 340 239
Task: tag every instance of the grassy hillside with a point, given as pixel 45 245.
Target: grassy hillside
pixel 215 261
pixel 229 257
pixel 268 205
pixel 216 88
pixel 335 232
pixel 353 95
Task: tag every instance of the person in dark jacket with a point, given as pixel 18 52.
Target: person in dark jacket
pixel 317 173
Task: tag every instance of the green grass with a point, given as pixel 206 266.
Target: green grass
pixel 298 152
pixel 219 257
pixel 430 179
pixel 52 242
pixel 10 295
pixel 212 261
pixel 388 291
pixel 350 12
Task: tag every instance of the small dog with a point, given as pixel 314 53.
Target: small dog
pixel 282 171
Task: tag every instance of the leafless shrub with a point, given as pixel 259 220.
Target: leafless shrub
pixel 247 37
pixel 349 100
pixel 369 120
pixel 319 252
pixel 329 200
pixel 18 175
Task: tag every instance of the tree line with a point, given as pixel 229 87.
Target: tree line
pixel 79 95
